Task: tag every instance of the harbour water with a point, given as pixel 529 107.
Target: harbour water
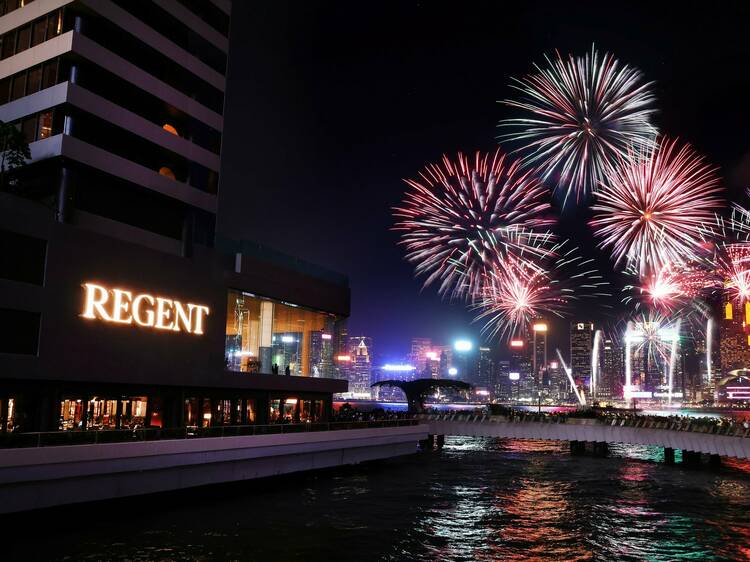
pixel 478 499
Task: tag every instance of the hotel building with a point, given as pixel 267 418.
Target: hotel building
pixel 120 307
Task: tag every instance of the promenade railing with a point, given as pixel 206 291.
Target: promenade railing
pixel 696 425
pixel 101 436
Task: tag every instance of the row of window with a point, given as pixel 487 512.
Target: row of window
pixel 210 13
pixel 29 81
pixel 7 6
pixel 37 126
pixel 178 32
pixel 31 34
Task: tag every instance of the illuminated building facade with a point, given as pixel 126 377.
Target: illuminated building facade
pixel 360 369
pixel 581 346
pixel 422 357
pixel 521 374
pixel 734 348
pixel 484 369
pixel 539 357
pixel 127 310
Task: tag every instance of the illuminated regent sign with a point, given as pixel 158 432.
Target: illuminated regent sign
pixel 123 307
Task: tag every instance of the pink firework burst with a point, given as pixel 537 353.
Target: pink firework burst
pixel 672 290
pixel 650 207
pixel 583 114
pixel 727 248
pixel 460 217
pixel 512 296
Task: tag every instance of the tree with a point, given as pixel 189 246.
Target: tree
pixel 14 150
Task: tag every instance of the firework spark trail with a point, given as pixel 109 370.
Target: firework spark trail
pixel 651 205
pixel 459 215
pixel 584 113
pixel 514 295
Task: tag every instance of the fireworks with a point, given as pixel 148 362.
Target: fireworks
pixel 727 242
pixel 513 296
pixel 585 113
pixel 650 206
pixel 671 289
pixel 459 215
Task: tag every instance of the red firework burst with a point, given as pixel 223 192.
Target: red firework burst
pixel 512 296
pixel 460 217
pixel 650 207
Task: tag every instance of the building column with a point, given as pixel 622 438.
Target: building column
pixel 65 191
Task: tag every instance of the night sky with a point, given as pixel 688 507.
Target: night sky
pixel 331 104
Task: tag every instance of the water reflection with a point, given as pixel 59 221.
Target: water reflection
pixel 478 499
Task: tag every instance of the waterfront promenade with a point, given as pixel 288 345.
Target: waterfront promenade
pixel 36 477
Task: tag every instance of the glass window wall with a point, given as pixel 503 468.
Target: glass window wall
pixel 266 336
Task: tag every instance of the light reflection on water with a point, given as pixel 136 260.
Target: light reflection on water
pixel 478 499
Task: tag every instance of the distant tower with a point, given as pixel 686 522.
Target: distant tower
pixel 484 369
pixel 521 376
pixel 360 371
pixel 420 347
pixel 581 345
pixel 734 350
pixel 539 354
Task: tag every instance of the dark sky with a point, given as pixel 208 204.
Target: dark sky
pixel 330 104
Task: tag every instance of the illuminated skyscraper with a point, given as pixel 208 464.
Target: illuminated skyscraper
pixel 539 354
pixel 484 369
pixel 418 357
pixel 581 344
pixel 360 371
pixel 521 376
pixel 734 350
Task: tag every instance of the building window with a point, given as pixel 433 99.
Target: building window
pixel 39 31
pixel 34 81
pixel 19 86
pixel 29 127
pixel 45 125
pixel 266 336
pixel 23 339
pixel 23 39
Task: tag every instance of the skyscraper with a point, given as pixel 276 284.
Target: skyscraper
pixel 734 350
pixel 521 376
pixel 581 344
pixel 484 369
pixel 501 384
pixel 539 354
pixel 360 370
pixel 420 347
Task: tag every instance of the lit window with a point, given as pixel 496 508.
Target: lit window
pixel 728 311
pixel 45 125
pixel 170 129
pixel 164 171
